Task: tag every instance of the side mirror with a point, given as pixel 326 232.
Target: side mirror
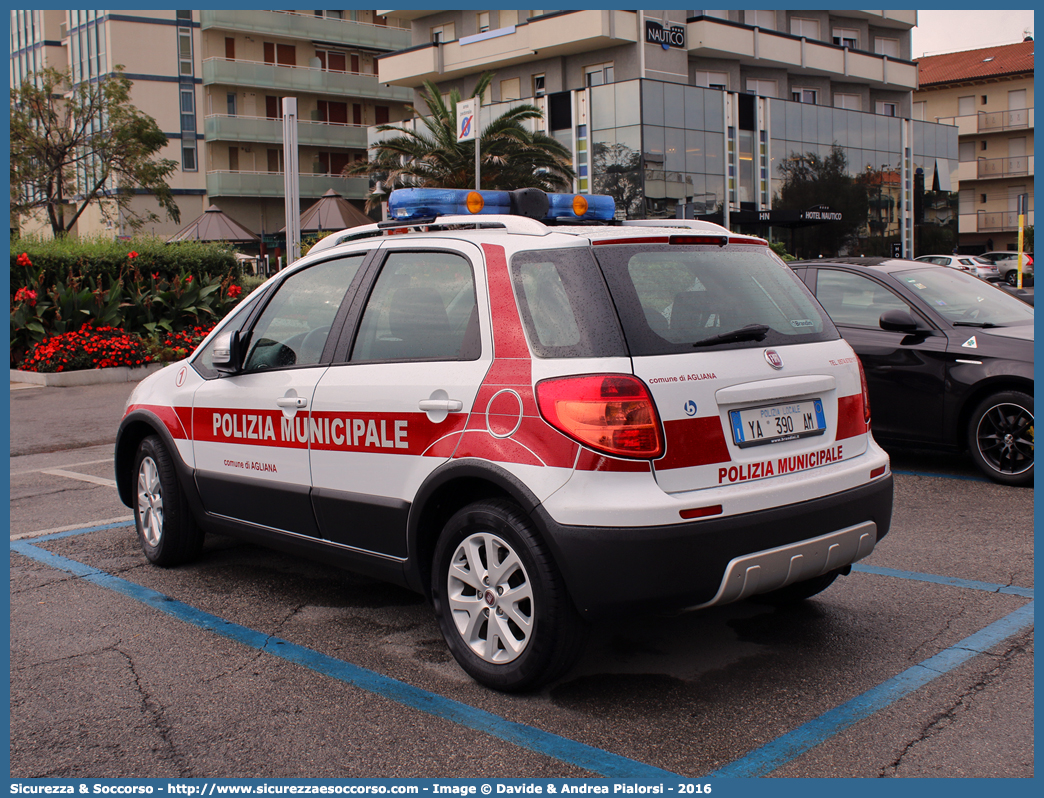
pixel 898 321
pixel 227 355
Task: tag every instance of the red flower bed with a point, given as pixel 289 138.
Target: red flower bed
pixel 185 341
pixel 87 348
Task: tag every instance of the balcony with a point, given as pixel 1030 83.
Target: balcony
pixel 270 131
pixel 1019 166
pixel 270 184
pixel 300 80
pixel 306 26
pixel 715 38
pixel 551 36
pixel 995 122
pixel 992 222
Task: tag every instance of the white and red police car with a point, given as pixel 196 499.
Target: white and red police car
pixel 528 416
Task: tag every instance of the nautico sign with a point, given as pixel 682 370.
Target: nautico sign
pixel 666 37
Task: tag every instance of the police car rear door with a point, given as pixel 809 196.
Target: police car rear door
pixel 393 407
pixel 252 429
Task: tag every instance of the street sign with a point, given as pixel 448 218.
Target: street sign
pixel 897 249
pixel 467 119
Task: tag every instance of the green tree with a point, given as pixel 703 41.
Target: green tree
pixel 808 181
pixel 72 146
pixel 430 156
pixel 616 170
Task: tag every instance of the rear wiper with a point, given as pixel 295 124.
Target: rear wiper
pixel 752 332
pixel 982 324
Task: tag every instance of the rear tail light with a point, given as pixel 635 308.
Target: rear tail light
pixel 866 393
pixel 610 413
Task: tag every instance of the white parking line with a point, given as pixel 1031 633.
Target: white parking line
pixel 67 465
pixel 61 472
pixel 40 532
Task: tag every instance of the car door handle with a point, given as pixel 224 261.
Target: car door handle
pixel 449 405
pixel 291 401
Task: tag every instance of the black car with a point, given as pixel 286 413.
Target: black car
pixel 948 358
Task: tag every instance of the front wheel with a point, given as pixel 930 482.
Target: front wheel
pixel 1000 437
pixel 166 529
pixel 500 601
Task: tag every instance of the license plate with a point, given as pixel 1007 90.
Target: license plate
pixel 755 426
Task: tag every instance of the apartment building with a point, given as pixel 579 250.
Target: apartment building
pixel 988 94
pixel 157 51
pixel 214 81
pixel 696 111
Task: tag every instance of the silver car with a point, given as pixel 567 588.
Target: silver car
pixel 981 268
pixel 1007 263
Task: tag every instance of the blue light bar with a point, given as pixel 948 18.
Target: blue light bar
pixel 600 207
pixel 406 204
pixel 409 204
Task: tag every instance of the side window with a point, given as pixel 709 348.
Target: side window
pixel 852 299
pixel 422 307
pixel 565 305
pixel 292 330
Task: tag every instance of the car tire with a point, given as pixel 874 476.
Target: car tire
pixel 167 532
pixel 512 627
pixel 1000 437
pixel 799 591
pixel 1012 277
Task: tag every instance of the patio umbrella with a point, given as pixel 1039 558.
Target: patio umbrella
pixel 331 212
pixel 214 225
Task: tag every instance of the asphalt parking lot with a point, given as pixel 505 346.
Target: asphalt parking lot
pixel 249 663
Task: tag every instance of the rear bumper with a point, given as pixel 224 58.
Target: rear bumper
pixel 716 561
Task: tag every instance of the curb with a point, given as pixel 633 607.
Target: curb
pixel 86 376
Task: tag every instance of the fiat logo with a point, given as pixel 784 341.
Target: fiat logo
pixel 490 597
pixel 773 358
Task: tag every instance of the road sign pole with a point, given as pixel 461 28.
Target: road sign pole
pixel 1023 201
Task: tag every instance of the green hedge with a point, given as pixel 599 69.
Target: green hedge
pixel 54 260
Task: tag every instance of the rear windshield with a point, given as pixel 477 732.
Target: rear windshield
pixel 672 297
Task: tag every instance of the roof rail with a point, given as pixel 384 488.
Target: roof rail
pixel 519 225
pixel 688 224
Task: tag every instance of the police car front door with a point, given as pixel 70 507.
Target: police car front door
pixel 396 406
pixel 252 430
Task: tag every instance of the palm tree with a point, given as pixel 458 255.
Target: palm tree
pixel 512 156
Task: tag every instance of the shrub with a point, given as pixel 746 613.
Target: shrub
pixel 52 261
pixel 87 348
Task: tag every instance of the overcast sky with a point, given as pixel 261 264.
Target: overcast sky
pixel 950 31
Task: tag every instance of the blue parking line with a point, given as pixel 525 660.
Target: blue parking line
pixel 968 584
pixel 789 746
pixel 571 752
pixel 760 762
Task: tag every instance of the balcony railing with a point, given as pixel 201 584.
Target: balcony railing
pixel 307 26
pixel 300 80
pixel 223 183
pixel 1019 166
pixel 262 130
pixel 996 121
pixel 999 221
pixel 1004 120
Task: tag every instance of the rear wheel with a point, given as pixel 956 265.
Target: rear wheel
pixel 1012 277
pixel 501 603
pixel 166 530
pixel 1000 437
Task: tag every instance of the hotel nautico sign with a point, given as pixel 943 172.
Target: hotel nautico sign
pixel 666 37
